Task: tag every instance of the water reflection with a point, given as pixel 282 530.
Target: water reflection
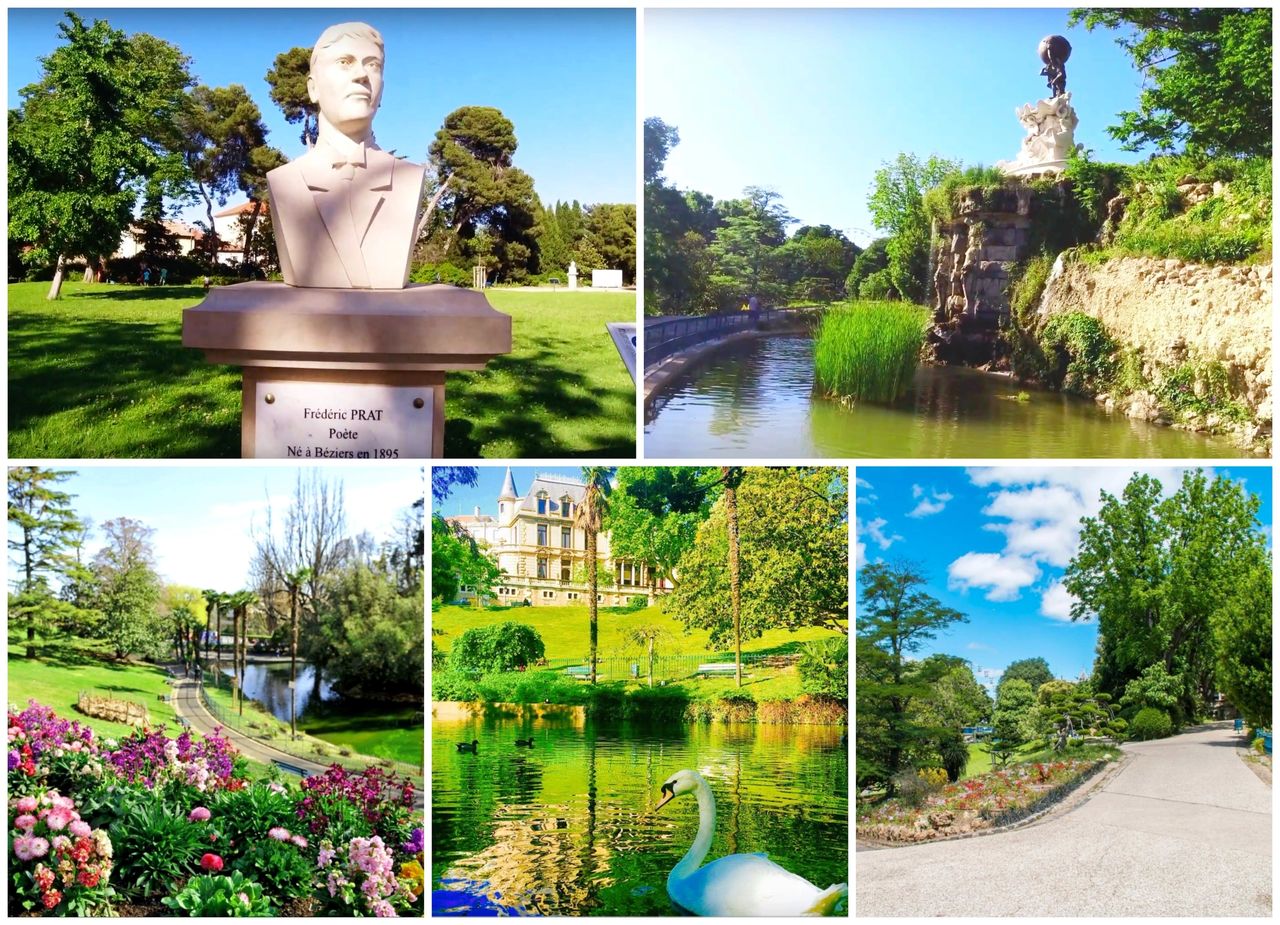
pixel 756 398
pixel 268 683
pixel 565 827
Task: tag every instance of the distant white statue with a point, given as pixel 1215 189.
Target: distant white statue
pixel 573 274
pixel 345 213
pixel 1050 126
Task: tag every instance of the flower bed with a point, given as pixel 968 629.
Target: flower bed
pixel 153 825
pixel 978 803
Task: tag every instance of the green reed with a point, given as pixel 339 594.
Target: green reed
pixel 868 351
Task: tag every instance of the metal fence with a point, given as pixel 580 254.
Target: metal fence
pixel 668 335
pixel 665 667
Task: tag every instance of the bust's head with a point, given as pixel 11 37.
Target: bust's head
pixel 346 78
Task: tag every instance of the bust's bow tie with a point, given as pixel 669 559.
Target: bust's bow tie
pixel 346 165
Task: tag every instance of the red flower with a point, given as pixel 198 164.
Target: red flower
pixel 89 878
pixel 211 862
pixel 51 899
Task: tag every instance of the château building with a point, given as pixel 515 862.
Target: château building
pixel 543 555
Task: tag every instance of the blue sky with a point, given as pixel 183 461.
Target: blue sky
pixel 993 544
pixel 203 516
pixel 809 103
pixel 463 500
pixel 565 78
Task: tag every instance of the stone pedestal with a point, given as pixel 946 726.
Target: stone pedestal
pixel 345 373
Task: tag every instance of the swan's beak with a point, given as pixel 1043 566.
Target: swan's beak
pixel 670 794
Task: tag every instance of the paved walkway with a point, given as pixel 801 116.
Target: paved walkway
pixel 1183 829
pixel 187 704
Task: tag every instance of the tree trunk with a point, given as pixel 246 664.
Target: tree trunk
pixel 651 663
pixel 217 644
pixel 293 661
pixel 240 653
pixel 735 574
pixel 248 231
pixel 213 235
pixel 593 581
pixel 55 288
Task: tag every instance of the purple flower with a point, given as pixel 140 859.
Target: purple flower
pixel 279 833
pixel 199 814
pixel 415 844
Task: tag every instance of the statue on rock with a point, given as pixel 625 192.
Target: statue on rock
pixel 1051 123
pixel 345 214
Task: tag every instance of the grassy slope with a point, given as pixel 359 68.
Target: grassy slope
pixel 62 669
pixel 102 372
pixel 562 391
pixel 564 631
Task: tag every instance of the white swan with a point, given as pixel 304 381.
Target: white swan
pixel 739 884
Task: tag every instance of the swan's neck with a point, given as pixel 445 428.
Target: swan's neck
pixel 706 831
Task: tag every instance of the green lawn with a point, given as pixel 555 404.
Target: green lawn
pixel 562 391
pixel 564 631
pixel 980 758
pixel 102 372
pixel 63 668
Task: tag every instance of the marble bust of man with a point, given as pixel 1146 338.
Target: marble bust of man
pixel 345 213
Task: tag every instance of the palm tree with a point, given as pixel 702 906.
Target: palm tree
pixel 293 582
pixel 590 517
pixel 732 479
pixel 647 636
pixel 210 605
pixel 240 603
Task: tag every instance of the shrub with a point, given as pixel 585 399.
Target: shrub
pixel 869 350
pixel 498 647
pixel 1028 286
pixel 444 272
pixel 912 789
pixel 451 685
pixel 876 287
pixel 933 777
pixel 279 866
pixel 233 896
pixel 1079 351
pixel 154 847
pixel 1155 687
pixel 954 754
pixel 241 816
pixel 824 667
pixel 1150 723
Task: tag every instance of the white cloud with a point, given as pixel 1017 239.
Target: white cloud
pixel 978 646
pixel 1056 602
pixel 875 530
pixel 860 555
pixel 928 506
pixel 1003 576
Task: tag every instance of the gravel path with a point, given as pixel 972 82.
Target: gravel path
pixel 1183 829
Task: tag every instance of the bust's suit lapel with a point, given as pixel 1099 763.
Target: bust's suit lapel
pixel 332 202
pixel 365 209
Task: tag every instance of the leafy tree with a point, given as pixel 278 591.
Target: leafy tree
pixel 590 516
pixel 873 259
pixel 752 229
pixel 497 647
pixel 42 530
pixel 896 616
pixel 184 608
pixel 646 636
pixel 376 633
pixel 1207 77
pixel 956 699
pixel 456 560
pixel 94 128
pixel 1035 671
pixel 654 513
pixel 128 587
pixel 1242 637
pixel 612 229
pixel 659 139
pixel 444 478
pixel 1155 687
pixel 897 208
pixel 954 752
pixel 1153 571
pixel 824 667
pixel 793 531
pixel 288 80
pixel 475 184
pixel 221 126
pixel 1011 720
pixel 1064 709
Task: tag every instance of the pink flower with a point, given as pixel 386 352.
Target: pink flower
pixel 22 847
pixel 26 805
pixel 39 847
pixel 299 840
pixel 25 821
pixel 80 828
pixel 60 802
pixel 58 819
pixel 325 856
pixel 279 833
pixel 199 814
pixel 384 910
pixel 211 862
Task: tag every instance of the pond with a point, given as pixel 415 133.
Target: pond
pixel 564 828
pixel 756 398
pixel 268 683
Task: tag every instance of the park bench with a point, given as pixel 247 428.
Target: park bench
pixel 582 673
pixel 290 768
pixel 718 668
pixel 183 722
pixel 163 698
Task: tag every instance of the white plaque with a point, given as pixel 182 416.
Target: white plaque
pixel 331 420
